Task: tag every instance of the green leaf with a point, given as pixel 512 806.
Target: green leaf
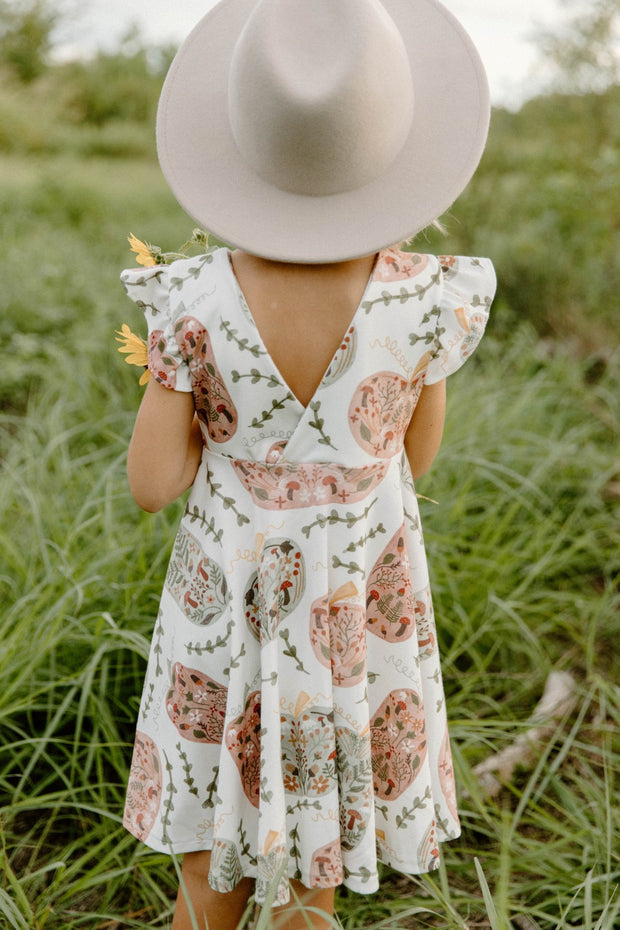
pixel 365 432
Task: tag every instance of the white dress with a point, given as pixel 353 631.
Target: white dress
pixel 293 715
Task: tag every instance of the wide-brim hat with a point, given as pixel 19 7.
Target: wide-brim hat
pixel 322 130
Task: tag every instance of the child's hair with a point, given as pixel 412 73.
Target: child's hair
pixel 436 224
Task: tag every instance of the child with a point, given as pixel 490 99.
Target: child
pixel 292 729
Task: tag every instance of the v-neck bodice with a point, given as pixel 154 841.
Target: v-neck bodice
pixel 204 338
pixel 352 322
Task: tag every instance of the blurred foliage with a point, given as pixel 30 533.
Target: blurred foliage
pixel 103 106
pixel 116 86
pixel 545 205
pixel 584 55
pixel 26 28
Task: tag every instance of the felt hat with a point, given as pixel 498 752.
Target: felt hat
pixel 322 130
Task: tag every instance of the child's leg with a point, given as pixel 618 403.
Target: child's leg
pixel 291 917
pixel 222 911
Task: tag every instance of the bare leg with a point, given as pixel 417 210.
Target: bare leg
pixel 212 909
pixel 291 917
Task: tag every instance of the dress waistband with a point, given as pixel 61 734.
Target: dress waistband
pixel 286 485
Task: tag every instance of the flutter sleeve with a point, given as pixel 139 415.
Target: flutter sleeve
pixel 468 288
pixel 149 290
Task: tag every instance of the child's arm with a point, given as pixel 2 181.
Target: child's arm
pixel 165 448
pixel 423 436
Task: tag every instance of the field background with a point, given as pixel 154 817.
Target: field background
pixel 522 542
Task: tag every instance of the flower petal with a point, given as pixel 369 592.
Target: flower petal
pixel 142 250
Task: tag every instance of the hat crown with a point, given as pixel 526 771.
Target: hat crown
pixel 320 94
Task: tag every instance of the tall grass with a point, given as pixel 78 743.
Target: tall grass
pixel 524 563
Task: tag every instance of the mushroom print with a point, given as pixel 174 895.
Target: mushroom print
pixel 326 866
pixel 214 404
pixel 355 785
pixel 196 582
pixel 394 265
pixel 288 486
pixel 425 622
pixel 196 704
pixel 144 788
pixel 243 743
pixel 162 365
pixel 275 588
pixel 338 635
pixel 380 412
pixel 390 604
pixel 398 740
pixel 308 752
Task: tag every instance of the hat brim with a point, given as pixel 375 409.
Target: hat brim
pixel 215 185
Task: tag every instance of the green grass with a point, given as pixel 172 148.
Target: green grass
pixel 524 562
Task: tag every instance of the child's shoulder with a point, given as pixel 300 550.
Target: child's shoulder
pixel 396 264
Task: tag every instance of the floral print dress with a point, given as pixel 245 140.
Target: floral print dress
pixel 293 717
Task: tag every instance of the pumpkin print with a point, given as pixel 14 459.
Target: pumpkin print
pixel 288 486
pixel 275 452
pixel 338 636
pixel 144 788
pixel 398 740
pixel 162 365
pixel 355 785
pixel 225 870
pixel 473 325
pixel 449 265
pixel 446 775
pixel 428 851
pixel 326 866
pixel 394 265
pixel 196 582
pixel 214 404
pixel 196 704
pixel 274 590
pixel 425 623
pixel 243 743
pixel 271 866
pixel 390 605
pixel 308 752
pixel 380 412
pixel 343 358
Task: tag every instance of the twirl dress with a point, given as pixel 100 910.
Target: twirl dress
pixel 293 715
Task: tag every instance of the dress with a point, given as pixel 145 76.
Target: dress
pixel 293 715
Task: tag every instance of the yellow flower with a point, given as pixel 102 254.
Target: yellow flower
pixel 142 250
pixel 135 348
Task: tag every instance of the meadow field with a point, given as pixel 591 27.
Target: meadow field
pixel 521 531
